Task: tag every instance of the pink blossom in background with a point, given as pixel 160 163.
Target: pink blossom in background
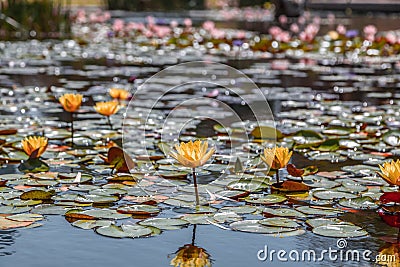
pixel 240 34
pixel 150 20
pixel 93 17
pixel 217 34
pixel 208 25
pixel 81 16
pixel 274 31
pixel 135 26
pixel 107 15
pixel 317 20
pixel 161 31
pixel 301 20
pixel 341 29
pixel 370 30
pixel 118 25
pixel 294 28
pixel 391 37
pixel 311 29
pixel 303 36
pixel 173 24
pixel 283 37
pixel 283 19
pixel 188 22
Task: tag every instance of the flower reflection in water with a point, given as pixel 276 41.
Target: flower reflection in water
pixel 389 255
pixel 190 255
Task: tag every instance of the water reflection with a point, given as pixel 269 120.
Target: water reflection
pixel 7 239
pixel 389 254
pixel 190 255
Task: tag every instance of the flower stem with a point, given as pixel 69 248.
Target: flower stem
pixel 277 176
pixel 72 128
pixel 196 191
pixel 109 122
pixel 194 234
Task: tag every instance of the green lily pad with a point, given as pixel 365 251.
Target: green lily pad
pixel 359 203
pixel 253 226
pixel 323 211
pixel 282 212
pixel 265 199
pixel 90 224
pixel 280 222
pixel 139 210
pixel 339 230
pixel 330 194
pixel 164 223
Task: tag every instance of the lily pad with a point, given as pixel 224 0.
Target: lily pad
pixel 339 230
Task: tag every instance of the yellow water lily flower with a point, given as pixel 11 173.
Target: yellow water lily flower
pixel 34 143
pixel 107 108
pixel 277 158
pixel 191 256
pixel 192 154
pixel 71 102
pixel 119 93
pixel 390 172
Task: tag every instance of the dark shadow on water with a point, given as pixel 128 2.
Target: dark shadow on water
pixel 7 239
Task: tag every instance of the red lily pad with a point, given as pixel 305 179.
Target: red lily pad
pixel 390 215
pixel 290 186
pixel 390 197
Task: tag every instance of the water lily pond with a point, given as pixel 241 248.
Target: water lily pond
pixel 104 182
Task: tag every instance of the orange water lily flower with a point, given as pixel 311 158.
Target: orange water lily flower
pixel 71 102
pixel 192 154
pixel 390 172
pixel 119 93
pixel 34 146
pixel 191 256
pixel 277 158
pixel 107 108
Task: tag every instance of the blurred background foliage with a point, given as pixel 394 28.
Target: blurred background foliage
pixel 34 18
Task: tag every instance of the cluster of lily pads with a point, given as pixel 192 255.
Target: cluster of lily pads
pixel 138 204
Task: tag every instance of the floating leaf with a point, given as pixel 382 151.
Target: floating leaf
pixel 339 230
pixel 164 223
pixel 323 211
pixel 90 224
pixel 330 194
pixel 266 132
pixel 120 160
pixel 6 224
pixel 25 217
pixel 290 186
pixel 392 138
pixel 265 199
pixel 33 165
pixel 253 226
pixel 36 195
pixel 280 222
pixel 282 212
pixel 359 203
pixel 139 209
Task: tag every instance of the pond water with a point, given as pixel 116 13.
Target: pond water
pixel 292 86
